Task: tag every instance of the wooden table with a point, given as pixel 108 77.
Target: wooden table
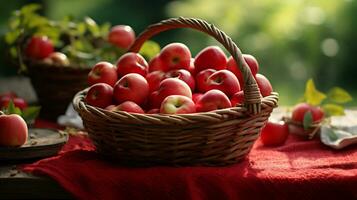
pixel 15 184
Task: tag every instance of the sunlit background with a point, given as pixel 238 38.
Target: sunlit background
pixel 293 40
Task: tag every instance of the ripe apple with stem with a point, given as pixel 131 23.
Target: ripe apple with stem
pixel 225 81
pixel 131 87
pixel 176 56
pixel 177 104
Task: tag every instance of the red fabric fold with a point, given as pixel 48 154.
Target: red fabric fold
pixel 297 170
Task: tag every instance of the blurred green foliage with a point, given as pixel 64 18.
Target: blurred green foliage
pixel 293 40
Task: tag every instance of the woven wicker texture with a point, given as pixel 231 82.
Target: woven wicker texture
pixel 220 137
pixel 56 86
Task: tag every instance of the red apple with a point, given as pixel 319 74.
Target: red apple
pixel 156 64
pixel 176 56
pixel 131 63
pixel 153 111
pixel 100 95
pixel 103 72
pixel 13 131
pixel 238 98
pixel 131 87
pixel 177 104
pixel 212 100
pixel 201 79
pixel 18 102
pixel 252 63
pixel 264 85
pixel 192 69
pixel 274 133
pixel 154 79
pixel 225 81
pixel 39 47
pixel 183 75
pixel 211 57
pixel 122 36
pixel 196 97
pixel 233 67
pixel 169 86
pixel 299 111
pixel 127 106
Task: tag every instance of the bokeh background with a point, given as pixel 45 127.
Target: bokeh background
pixel 293 40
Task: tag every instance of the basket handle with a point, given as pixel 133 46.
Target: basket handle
pixel 252 98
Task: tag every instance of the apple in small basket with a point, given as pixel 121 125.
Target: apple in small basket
pixel 131 63
pixel 39 47
pixel 122 36
pixel 56 58
pixel 131 87
pixel 103 72
pixel 13 130
pixel 211 57
pixel 176 56
pixel 100 95
pixel 177 104
pixel 212 100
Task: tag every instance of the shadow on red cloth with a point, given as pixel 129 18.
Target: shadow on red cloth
pixel 297 170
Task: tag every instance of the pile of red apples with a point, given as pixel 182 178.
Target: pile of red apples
pixel 173 82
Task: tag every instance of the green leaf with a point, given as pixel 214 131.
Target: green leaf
pixel 11 37
pixel 92 26
pixel 104 29
pixel 333 109
pixel 30 8
pixel 339 95
pixel 12 109
pixel 31 113
pixel 312 95
pixel 307 122
pixel 150 49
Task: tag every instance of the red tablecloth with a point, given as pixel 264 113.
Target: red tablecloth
pixel 297 170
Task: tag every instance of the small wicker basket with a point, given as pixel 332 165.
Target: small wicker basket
pixel 220 137
pixel 55 86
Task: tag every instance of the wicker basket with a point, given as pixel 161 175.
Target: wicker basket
pixel 214 138
pixel 56 86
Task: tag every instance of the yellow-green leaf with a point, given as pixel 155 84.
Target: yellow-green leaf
pixel 150 49
pixel 312 95
pixel 339 95
pixel 333 109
